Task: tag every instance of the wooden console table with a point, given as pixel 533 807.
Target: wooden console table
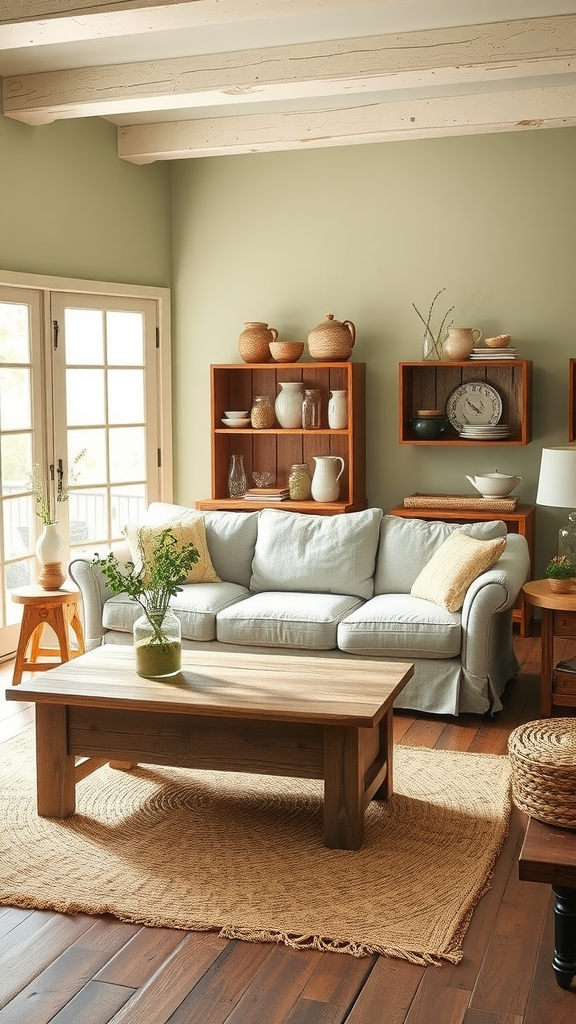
pixel 549 855
pixel 521 520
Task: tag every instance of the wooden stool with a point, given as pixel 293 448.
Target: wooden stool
pixel 55 608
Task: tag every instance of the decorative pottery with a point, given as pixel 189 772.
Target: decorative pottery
pixel 332 340
pixel 254 341
pixel 561 586
pixel 500 341
pixel 429 425
pixel 338 410
pixel 158 645
pixel 459 343
pixel 288 404
pixel 326 477
pixel 50 549
pixel 286 351
pixel 299 482
pixel 495 485
pixel 237 483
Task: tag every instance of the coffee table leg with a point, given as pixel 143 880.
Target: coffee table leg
pixel 564 962
pixel 55 778
pixel 343 789
pixel 384 792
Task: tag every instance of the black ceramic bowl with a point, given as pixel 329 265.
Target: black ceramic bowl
pixel 430 428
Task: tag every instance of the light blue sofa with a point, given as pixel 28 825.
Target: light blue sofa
pixel 337 586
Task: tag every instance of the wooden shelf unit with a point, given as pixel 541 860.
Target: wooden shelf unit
pixel 522 520
pixel 428 385
pixel 234 386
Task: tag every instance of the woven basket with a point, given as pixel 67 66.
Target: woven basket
pixel 543 759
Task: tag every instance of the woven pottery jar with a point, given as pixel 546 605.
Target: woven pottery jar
pixel 254 341
pixel 332 340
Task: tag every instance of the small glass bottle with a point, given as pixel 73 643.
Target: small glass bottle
pixel 262 414
pixel 311 410
pixel 237 477
pixel 299 482
pixel 158 645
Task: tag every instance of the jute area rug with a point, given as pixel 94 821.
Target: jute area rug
pixel 244 854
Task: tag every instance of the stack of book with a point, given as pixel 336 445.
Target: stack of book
pixel 267 494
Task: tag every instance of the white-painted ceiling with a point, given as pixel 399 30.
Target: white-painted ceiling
pixel 190 78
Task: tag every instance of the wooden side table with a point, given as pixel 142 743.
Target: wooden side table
pixel 521 520
pixel 557 689
pixel 549 855
pixel 55 608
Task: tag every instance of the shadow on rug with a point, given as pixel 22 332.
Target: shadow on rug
pixel 244 854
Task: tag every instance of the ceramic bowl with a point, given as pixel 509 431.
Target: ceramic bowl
pixel 286 351
pixel 237 415
pixel 500 341
pixel 236 422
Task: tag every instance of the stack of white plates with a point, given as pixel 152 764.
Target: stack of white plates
pixel 479 432
pixel 494 353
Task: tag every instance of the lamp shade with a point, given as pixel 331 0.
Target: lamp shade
pixel 557 478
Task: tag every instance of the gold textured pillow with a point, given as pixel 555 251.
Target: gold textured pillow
pixel 453 567
pixel 188 531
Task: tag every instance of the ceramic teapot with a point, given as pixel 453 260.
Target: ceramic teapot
pixel 495 485
pixel 332 340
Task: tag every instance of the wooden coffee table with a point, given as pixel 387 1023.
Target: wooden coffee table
pixel 305 717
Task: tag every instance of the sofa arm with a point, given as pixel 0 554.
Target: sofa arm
pixel 491 593
pixel 94 592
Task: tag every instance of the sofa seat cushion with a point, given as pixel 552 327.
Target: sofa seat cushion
pixel 277 619
pixel 397 625
pixel 197 606
pixel 319 554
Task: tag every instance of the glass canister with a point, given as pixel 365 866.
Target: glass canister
pixel 300 481
pixel 158 645
pixel 311 410
pixel 237 477
pixel 262 412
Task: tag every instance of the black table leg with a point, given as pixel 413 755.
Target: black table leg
pixel 564 962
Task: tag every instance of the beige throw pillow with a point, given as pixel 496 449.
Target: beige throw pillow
pixel 189 531
pixel 453 567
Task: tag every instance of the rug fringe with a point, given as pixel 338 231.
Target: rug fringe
pixel 326 945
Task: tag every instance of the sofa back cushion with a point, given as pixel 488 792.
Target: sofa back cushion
pixel 316 554
pixel 407 545
pixel 230 536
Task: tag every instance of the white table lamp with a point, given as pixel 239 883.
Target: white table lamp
pixel 557 487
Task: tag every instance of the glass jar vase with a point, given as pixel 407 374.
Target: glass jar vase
pixel 237 482
pixel 262 414
pixel 299 482
pixel 311 410
pixel 158 645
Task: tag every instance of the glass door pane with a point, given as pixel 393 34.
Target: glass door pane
pixel 22 442
pixel 106 413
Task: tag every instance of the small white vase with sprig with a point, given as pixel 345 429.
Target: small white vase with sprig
pixel 50 546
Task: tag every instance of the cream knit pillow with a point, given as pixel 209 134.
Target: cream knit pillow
pixel 187 531
pixel 453 567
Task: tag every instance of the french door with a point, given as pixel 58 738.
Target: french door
pixel 84 408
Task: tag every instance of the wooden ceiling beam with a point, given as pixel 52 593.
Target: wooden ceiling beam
pixel 483 54
pixel 550 107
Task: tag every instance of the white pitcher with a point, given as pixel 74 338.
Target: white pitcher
pixel 326 479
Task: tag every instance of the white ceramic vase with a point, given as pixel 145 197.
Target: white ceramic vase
pixel 338 410
pixel 288 404
pixel 326 478
pixel 50 550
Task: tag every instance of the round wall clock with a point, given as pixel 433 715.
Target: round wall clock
pixel 473 402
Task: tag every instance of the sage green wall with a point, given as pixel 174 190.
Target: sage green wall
pixel 362 232
pixel 69 207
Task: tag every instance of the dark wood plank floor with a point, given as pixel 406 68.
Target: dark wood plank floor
pixel 86 970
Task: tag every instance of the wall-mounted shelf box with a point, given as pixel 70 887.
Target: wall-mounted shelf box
pixel 428 385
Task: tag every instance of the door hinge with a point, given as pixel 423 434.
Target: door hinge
pixel 157 337
pixel 159 458
pixel 55 333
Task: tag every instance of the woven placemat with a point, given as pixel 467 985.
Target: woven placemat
pixel 543 759
pixel 461 501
